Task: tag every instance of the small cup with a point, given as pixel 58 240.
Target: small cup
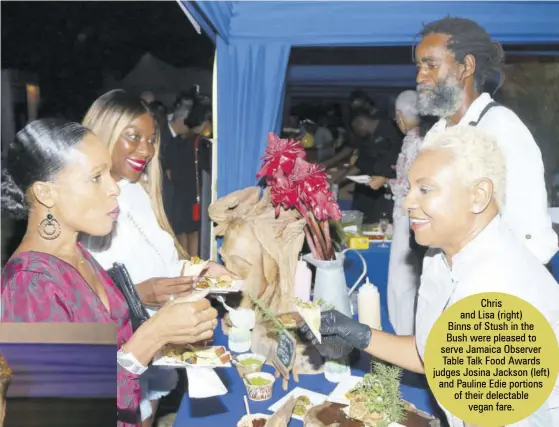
pixel 246 421
pixel 259 392
pixel 243 318
pixel 255 367
pixel 336 370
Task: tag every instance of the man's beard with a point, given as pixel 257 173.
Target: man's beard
pixel 440 100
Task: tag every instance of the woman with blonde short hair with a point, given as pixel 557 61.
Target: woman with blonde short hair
pixel 457 193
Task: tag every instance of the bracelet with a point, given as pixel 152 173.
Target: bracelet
pixel 129 362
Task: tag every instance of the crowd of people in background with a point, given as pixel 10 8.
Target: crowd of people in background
pixel 184 129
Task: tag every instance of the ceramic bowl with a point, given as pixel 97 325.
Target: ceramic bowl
pixel 255 367
pixel 259 392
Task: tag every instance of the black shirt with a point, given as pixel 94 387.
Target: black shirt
pixel 377 157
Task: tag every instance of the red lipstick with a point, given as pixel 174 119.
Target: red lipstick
pixel 137 165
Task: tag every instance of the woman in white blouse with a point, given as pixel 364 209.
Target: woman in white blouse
pixel 142 240
pixel 404 266
pixel 457 190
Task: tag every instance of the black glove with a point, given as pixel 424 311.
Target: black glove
pixel 340 334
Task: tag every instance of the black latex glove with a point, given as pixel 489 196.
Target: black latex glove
pixel 340 334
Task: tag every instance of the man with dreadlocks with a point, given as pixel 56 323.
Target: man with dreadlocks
pixel 456 59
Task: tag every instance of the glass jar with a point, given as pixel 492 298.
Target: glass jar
pixel 240 340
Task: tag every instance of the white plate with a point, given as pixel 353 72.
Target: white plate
pixel 345 385
pixel 314 397
pixel 359 179
pixel 174 362
pixel 236 286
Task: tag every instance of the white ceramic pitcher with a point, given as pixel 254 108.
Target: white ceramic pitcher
pixel 330 284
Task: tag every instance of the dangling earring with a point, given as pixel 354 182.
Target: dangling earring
pixel 49 228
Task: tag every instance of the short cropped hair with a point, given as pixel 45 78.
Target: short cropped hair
pixel 406 103
pixel 476 154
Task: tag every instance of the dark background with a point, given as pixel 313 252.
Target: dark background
pixel 72 45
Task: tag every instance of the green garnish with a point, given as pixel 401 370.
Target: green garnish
pixel 258 381
pixel 250 362
pixel 380 392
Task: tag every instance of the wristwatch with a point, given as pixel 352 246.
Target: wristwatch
pixel 129 362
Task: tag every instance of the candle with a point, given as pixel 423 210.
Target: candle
pixel 368 305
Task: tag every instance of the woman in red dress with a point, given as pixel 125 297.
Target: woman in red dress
pixel 57 175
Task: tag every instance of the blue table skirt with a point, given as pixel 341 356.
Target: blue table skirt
pixel 61 370
pixel 228 409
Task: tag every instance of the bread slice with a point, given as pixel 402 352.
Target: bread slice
pixel 310 312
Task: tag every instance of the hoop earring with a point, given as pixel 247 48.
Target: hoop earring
pixel 49 228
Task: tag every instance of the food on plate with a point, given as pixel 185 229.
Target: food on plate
pixel 204 284
pixel 288 320
pixel 196 260
pixel 258 381
pixel 377 399
pixel 302 405
pixel 222 282
pixel 303 400
pixel 300 410
pixel 254 420
pixel 194 356
pixel 310 312
pixel 225 282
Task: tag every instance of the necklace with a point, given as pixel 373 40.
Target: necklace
pixel 141 231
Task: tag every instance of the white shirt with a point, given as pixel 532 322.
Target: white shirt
pixel 525 209
pixel 495 261
pixel 137 241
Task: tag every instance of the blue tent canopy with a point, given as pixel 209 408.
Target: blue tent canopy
pixel 254 39
pixel 351 75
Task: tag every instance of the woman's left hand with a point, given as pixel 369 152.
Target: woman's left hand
pixel 216 270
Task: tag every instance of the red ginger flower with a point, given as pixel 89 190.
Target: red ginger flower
pixel 310 178
pixel 284 192
pixel 324 206
pixel 280 154
pixel 296 183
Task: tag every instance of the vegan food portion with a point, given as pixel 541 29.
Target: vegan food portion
pixel 310 312
pixel 259 385
pixel 204 356
pixel 249 363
